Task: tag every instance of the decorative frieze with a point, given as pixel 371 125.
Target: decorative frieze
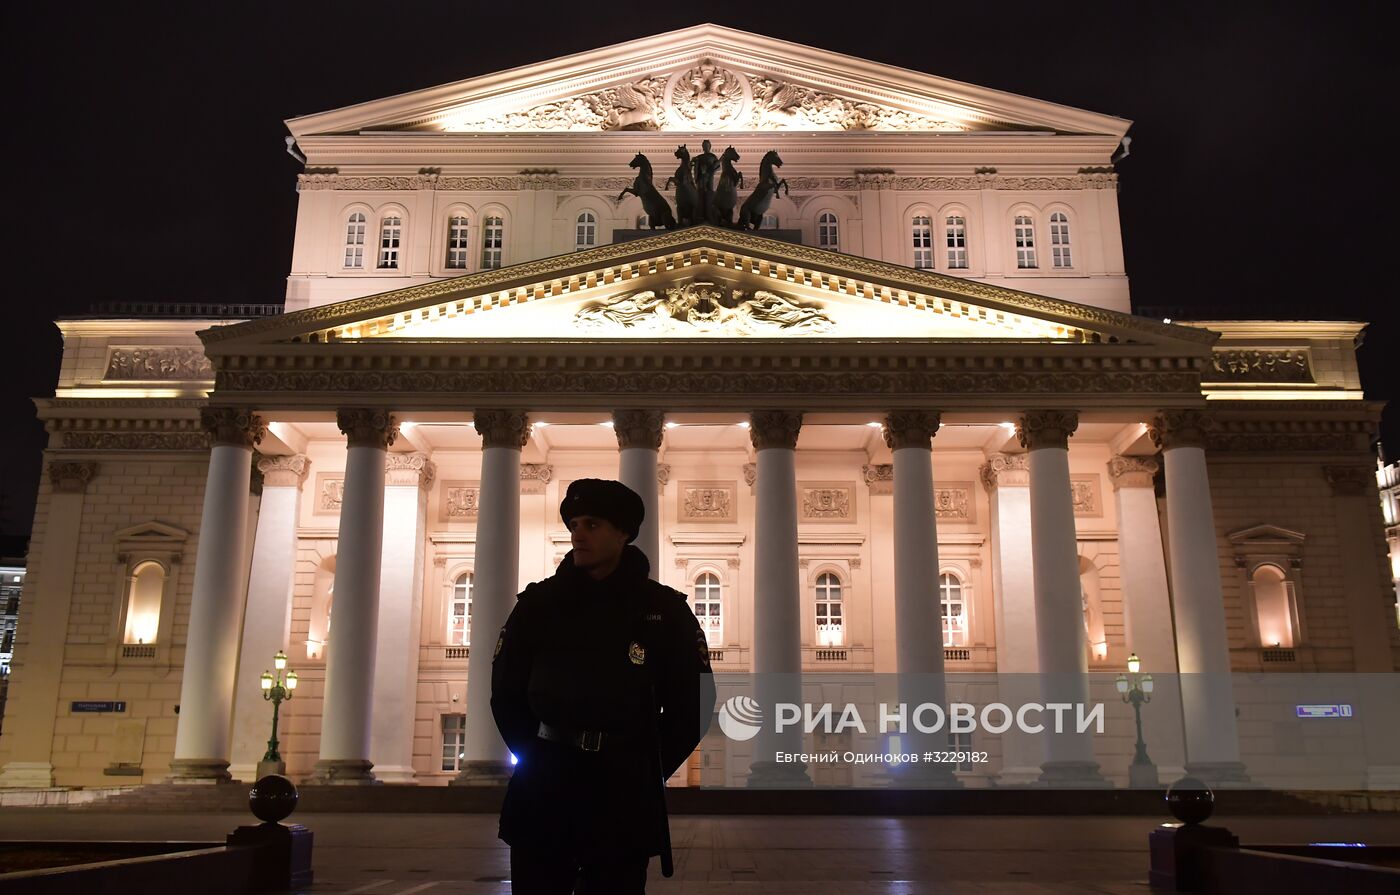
pixel 1260 365
pixel 135 441
pixel 639 428
pixel 774 429
pixel 880 477
pixel 1282 435
pixel 460 502
pixel 702 307
pixel 954 502
pixel 1012 470
pixel 1132 472
pixel 826 502
pixel 409 469
pixel 367 427
pixel 71 476
pixel 1180 428
pixel 157 364
pixel 232 426
pixel 910 428
pixel 502 428
pixel 708 502
pixel 1086 492
pixel 1046 428
pixel 283 470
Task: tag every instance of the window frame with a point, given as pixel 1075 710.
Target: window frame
pixel 459 728
pixel 920 239
pixel 822 595
pixel 959 214
pixel 485 246
pixel 1029 250
pixel 400 237
pixel 828 222
pixel 453 586
pixel 347 220
pixel 962 599
pixel 715 601
pixel 1068 232
pixel 585 231
pixel 459 241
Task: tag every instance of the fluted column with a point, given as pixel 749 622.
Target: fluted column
pixel 1007 479
pixel 267 619
pixel 348 706
pixel 638 440
pixel 1059 613
pixel 216 607
pixel 918 615
pixel 777 650
pixel 486 760
pixel 407 477
pixel 1147 613
pixel 1203 652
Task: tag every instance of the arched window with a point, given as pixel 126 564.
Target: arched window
pixel 950 596
pixel 459 614
pixel 144 589
pixel 828 236
pixel 457 242
pixel 830 624
pixel 922 231
pixel 955 237
pixel 1025 242
pixel 769 222
pixel 707 608
pixel 1273 603
pixel 355 241
pixel 493 237
pixel 585 231
pixel 390 234
pixel 1059 240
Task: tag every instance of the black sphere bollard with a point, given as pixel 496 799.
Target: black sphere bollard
pixel 272 798
pixel 1190 801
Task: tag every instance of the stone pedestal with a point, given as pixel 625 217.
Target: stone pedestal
pixel 283 854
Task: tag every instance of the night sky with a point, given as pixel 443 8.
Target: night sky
pixel 146 151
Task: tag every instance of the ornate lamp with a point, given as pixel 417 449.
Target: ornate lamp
pixel 1136 689
pixel 276 689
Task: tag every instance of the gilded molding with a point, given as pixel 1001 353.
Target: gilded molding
pixel 774 429
pixel 232 426
pixel 1046 428
pixel 1006 470
pixel 70 476
pixel 283 470
pixel 502 428
pixel 1181 428
pixel 408 469
pixel 911 428
pixel 367 427
pixel 1351 481
pixel 639 428
pixel 1126 471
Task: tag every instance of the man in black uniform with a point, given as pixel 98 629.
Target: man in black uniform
pixel 601 688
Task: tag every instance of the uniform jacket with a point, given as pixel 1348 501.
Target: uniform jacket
pixel 583 654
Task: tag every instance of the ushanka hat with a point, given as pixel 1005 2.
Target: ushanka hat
pixel 605 499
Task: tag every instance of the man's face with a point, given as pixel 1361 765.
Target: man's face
pixel 596 541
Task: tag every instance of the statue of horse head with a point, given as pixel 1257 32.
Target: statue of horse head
pixel 730 155
pixel 682 153
pixel 639 161
pixel 771 157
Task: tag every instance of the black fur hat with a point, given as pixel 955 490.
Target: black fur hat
pixel 605 499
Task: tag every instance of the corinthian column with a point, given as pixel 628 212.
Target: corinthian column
pixel 638 440
pixel 1059 612
pixel 486 761
pixel 777 650
pixel 407 478
pixel 267 620
pixel 211 642
pixel 1203 653
pixel 350 660
pixel 917 613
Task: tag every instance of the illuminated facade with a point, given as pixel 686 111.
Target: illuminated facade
pixel 927 399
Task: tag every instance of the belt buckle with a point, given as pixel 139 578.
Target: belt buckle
pixel 590 740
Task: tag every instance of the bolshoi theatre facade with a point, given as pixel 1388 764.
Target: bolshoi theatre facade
pixel 908 424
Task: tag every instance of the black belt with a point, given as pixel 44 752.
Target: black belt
pixel 587 740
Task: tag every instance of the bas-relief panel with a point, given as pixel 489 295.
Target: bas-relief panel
pixel 458 501
pixel 955 502
pixel 1088 494
pixel 708 502
pixel 330 492
pixel 826 502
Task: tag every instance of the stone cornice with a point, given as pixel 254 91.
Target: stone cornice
pixel 881 181
pixel 774 429
pixel 910 428
pixel 639 428
pixel 367 427
pixel 1046 428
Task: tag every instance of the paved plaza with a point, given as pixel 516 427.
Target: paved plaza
pixel 402 854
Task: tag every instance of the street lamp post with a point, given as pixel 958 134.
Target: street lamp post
pixel 276 689
pixel 1136 689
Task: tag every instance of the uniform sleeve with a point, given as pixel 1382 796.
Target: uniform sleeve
pixel 510 680
pixel 687 691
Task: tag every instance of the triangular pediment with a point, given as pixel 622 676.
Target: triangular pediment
pixel 707 78
pixel 707 282
pixel 1266 535
pixel 151 534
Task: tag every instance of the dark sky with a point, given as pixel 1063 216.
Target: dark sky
pixel 146 145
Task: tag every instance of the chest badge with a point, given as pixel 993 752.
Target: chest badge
pixel 636 653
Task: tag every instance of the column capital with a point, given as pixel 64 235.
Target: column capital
pixel 534 476
pixel 283 470
pixel 1046 428
pixel 638 428
pixel 911 428
pixel 880 477
pixel 1006 469
pixel 750 473
pixel 1180 428
pixel 663 474
pixel 1349 481
pixel 367 426
pixel 70 476
pixel 1132 472
pixel 237 426
pixel 409 469
pixel 502 428
pixel 774 429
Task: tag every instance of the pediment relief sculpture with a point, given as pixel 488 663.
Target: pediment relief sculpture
pixel 703 308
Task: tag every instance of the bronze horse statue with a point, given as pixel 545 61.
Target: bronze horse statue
pixel 751 215
pixel 727 192
pixel 687 196
pixel 657 210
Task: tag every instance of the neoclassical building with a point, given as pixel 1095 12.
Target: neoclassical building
pixel 911 424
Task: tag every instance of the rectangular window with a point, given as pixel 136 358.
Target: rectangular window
pixel 457 243
pixel 355 241
pixel 492 239
pixel 390 232
pixel 1025 243
pixel 956 237
pixel 454 741
pixel 923 243
pixel 1059 241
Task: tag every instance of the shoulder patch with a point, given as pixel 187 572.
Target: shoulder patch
pixel 500 642
pixel 703 648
